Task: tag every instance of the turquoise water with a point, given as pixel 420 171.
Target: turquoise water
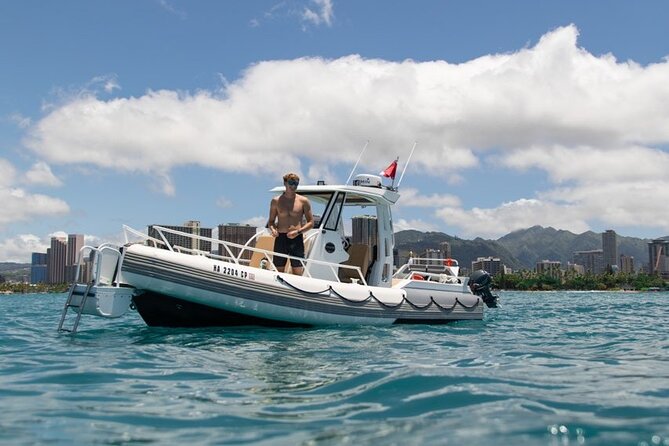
pixel 545 369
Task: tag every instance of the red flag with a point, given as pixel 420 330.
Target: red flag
pixel 390 170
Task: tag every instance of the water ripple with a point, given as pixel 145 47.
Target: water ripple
pixel 546 368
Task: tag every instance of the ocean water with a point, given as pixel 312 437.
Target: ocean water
pixel 545 369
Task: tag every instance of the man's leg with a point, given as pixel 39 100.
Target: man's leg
pixel 298 270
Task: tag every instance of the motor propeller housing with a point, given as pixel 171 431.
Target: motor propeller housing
pixel 480 282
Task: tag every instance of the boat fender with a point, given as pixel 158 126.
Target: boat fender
pixel 417 276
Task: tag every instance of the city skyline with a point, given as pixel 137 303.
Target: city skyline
pixel 523 113
pixel 59 263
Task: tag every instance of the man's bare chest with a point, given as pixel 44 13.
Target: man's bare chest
pixel 290 207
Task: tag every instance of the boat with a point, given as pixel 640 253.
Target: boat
pixel 346 281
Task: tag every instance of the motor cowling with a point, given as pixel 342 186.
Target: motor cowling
pixel 479 283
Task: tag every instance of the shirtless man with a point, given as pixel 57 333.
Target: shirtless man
pixel 285 223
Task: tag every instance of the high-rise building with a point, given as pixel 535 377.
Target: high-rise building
pixel 551 268
pixel 185 241
pixel 610 249
pixel 74 244
pixel 235 233
pixel 492 265
pixel 38 267
pixel 592 261
pixel 56 259
pixel 445 248
pixel 626 264
pixel 658 257
pixel 429 257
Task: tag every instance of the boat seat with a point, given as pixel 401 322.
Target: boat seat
pixel 265 242
pixel 358 255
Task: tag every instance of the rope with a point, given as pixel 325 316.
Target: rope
pixel 341 296
pixel 418 307
pixel 282 280
pixel 444 308
pixel 468 307
pixel 384 304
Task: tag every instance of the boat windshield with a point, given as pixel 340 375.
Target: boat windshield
pixel 319 202
pixel 346 208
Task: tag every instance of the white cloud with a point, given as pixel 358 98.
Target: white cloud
pixel 7 174
pixel 223 202
pixel 20 247
pixel 322 13
pixel 554 107
pixel 40 173
pixel 402 224
pixel 169 7
pixel 412 198
pixel 588 164
pixel 19 204
pixel 258 221
pixel 523 213
pixel 322 172
pixel 620 202
pixel 21 121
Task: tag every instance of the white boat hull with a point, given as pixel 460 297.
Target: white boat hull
pixel 103 301
pixel 176 289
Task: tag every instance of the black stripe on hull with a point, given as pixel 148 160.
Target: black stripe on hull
pixel 159 310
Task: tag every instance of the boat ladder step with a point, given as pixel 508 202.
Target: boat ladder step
pixel 77 307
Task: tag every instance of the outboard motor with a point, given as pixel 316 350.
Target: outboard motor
pixel 479 283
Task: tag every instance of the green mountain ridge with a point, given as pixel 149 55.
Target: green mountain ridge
pixel 523 248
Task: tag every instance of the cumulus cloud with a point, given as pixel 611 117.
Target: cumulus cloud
pixel 258 221
pixel 169 7
pixel 20 247
pixel 321 13
pixel 223 202
pixel 7 174
pixel 40 173
pixel 514 215
pixel 19 204
pixel 402 224
pixel 21 121
pixel 553 107
pixel 412 198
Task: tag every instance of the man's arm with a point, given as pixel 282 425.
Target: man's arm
pixel 308 215
pixel 273 212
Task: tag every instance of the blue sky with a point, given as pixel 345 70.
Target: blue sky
pixel 161 111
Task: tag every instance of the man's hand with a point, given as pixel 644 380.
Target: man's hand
pixel 293 232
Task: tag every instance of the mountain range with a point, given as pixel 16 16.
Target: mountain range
pixel 521 249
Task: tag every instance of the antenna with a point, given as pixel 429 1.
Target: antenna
pixel 407 164
pixel 356 163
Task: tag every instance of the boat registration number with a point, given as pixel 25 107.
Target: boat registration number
pixel 231 271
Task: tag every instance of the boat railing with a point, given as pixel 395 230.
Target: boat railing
pixel 237 259
pixel 97 264
pixel 431 269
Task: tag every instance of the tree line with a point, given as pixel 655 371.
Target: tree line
pixel 532 281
